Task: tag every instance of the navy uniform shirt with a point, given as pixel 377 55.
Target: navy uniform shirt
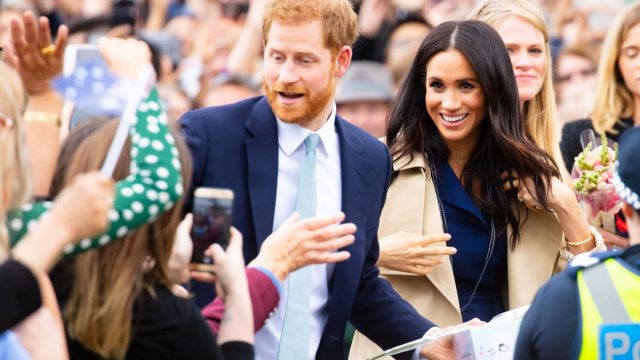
pixel 552 327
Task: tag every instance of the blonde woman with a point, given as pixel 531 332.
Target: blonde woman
pixel 37 252
pixel 617 101
pixel 522 28
pixel 462 158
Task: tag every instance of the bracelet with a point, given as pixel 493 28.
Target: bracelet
pixel 42 117
pixel 577 243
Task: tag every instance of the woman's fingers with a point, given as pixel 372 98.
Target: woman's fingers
pixel 204 277
pixel 44 32
pixel 434 251
pixel 61 40
pixel 431 239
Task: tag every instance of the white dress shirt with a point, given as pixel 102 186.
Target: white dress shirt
pixel 329 185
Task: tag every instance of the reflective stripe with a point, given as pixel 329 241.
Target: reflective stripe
pixel 619 288
pixel 605 296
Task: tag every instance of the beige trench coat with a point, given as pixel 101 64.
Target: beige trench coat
pixel 411 207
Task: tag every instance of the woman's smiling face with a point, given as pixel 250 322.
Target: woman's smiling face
pixel 454 98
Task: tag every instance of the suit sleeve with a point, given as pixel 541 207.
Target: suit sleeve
pixel 196 136
pixel 378 311
pixel 264 299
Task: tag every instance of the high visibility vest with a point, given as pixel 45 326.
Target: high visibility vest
pixel 609 293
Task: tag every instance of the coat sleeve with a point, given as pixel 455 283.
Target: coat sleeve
pixel 378 311
pixel 264 299
pixel 20 294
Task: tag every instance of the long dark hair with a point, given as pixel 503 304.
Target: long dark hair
pixel 504 144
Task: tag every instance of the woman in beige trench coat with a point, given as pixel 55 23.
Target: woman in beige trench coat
pixel 456 110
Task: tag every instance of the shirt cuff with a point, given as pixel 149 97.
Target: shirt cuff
pixel 270 275
pixel 416 352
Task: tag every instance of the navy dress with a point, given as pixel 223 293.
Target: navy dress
pixel 470 231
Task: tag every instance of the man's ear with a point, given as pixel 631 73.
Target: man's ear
pixel 343 60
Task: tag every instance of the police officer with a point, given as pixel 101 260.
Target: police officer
pixel 592 310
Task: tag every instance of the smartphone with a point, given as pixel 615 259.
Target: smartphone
pixel 78 54
pixel 212 211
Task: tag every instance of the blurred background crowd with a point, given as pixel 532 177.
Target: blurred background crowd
pixel 208 52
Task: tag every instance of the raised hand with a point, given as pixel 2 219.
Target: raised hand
pixel 36 58
pixel 413 253
pixel 227 270
pixel 442 348
pixel 95 194
pixel 298 243
pixel 125 57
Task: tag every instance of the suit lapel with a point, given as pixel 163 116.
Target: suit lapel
pixel 352 169
pixel 262 158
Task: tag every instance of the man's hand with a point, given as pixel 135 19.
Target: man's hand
pixel 442 348
pixel 298 243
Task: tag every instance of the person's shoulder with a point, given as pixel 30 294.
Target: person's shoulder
pixel 160 302
pixel 587 260
pixel 366 139
pixel 577 126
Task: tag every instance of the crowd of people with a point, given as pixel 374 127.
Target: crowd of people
pixel 400 169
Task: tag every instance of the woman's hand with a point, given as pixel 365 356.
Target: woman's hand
pixel 79 211
pixel 558 193
pixel 298 243
pixel 563 202
pixel 413 253
pixel 612 240
pixel 181 252
pixel 228 271
pixel 36 58
pixel 95 193
pixel 126 58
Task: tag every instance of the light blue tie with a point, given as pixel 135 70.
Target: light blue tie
pixel 294 339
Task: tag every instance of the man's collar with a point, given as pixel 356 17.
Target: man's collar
pixel 291 136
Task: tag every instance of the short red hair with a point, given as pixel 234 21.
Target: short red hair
pixel 339 20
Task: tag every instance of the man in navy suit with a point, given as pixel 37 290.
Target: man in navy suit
pixel 255 148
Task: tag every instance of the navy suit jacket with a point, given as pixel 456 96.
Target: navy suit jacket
pixel 236 147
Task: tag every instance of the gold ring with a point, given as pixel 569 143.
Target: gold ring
pixel 49 50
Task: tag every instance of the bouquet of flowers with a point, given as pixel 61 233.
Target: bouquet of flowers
pixel 592 178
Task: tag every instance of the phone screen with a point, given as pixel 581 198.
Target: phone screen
pixel 212 210
pixel 77 55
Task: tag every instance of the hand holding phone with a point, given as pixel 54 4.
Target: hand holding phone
pixel 212 211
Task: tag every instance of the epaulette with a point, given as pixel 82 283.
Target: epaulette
pixel 585 260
